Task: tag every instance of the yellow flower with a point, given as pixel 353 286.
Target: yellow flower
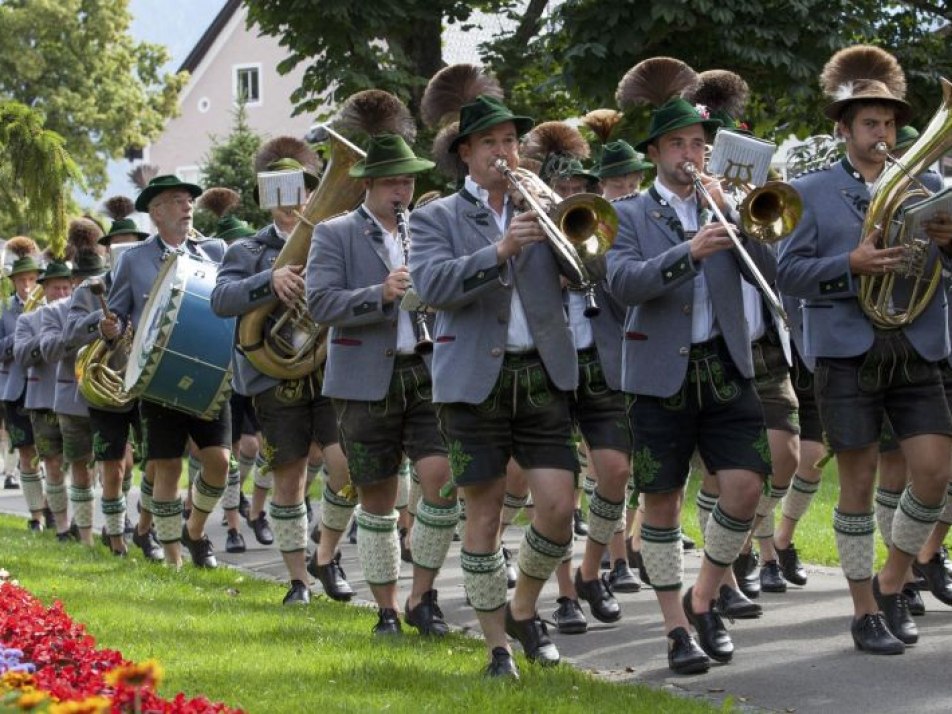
pixel 17 680
pixel 148 673
pixel 90 705
pixel 31 700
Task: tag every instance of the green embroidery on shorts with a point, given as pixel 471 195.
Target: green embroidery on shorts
pixel 267 452
pixel 44 446
pixel 359 459
pixel 17 435
pixel 100 447
pixel 459 459
pixel 795 419
pixel 645 466
pixel 762 447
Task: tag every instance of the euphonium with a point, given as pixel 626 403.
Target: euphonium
pixel 36 298
pixel 100 367
pixel 283 342
pixel 891 190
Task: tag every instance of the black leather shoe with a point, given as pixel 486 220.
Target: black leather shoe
pixel 235 542
pixel 104 538
pixel 711 633
pixel 936 577
pixel 511 572
pixel 388 623
pixel 895 609
pixel 262 529
pixel 149 544
pixel 502 665
pixel 352 532
pixel 244 506
pixel 684 655
pixel 70 535
pixel 606 562
pixel 298 594
pixel 534 638
pixel 332 578
pixel 747 574
pixel 687 542
pixel 127 530
pixel 734 605
pixel 427 616
pixel 622 579
pixel 598 595
pixel 771 579
pixel 790 565
pixel 405 555
pixel 49 519
pixel 636 561
pixel 579 525
pixel 870 634
pixel 34 525
pixel 569 618
pixel 11 482
pixel 917 608
pixel 201 550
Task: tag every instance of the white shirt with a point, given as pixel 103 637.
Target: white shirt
pixel 703 322
pixel 406 338
pixel 753 310
pixel 518 335
pixel 581 326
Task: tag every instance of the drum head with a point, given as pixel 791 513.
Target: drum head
pixel 154 315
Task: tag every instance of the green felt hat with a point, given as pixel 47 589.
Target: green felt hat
pixel 27 264
pixel 620 158
pixel 676 114
pixel 560 166
pixel 906 137
pixel 231 228
pixel 123 227
pixel 485 112
pixel 56 269
pixel 389 155
pixel 88 264
pixel 164 183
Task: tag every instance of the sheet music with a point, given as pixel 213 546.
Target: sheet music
pixel 281 188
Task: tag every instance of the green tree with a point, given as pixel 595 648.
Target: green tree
pixel 230 164
pixel 75 63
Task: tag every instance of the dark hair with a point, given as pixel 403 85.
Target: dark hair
pixel 852 109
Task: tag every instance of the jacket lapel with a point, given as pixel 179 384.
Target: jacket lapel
pixel 852 189
pixel 665 218
pixel 478 216
pixel 374 236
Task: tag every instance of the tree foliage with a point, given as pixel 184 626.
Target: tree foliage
pixel 75 63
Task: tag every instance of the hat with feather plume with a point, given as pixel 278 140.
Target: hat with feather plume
pixel 725 95
pixel 119 208
pixel 25 252
pixel 82 248
pixel 660 82
pixel 222 201
pixel 618 157
pixel 559 148
pixel 868 74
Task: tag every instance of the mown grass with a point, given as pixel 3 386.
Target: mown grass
pixel 220 633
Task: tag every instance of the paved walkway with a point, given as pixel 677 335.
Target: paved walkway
pixel 797 658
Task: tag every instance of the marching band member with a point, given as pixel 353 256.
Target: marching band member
pixel 687 362
pixel 499 299
pixel 357 275
pixel 862 370
pixel 291 413
pixel 169 202
pixel 23 275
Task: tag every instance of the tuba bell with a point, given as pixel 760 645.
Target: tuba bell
pixel 877 293
pixel 100 367
pixel 285 343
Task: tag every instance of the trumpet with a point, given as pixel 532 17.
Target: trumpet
pixel 424 345
pixel 772 300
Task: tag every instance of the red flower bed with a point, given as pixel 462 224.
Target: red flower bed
pixel 70 668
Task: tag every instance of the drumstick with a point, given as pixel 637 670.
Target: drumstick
pixel 98 288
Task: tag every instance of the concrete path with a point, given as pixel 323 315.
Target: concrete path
pixel 798 657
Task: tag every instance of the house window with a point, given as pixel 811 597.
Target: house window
pixel 247 85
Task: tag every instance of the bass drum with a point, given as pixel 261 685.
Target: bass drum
pixel 181 355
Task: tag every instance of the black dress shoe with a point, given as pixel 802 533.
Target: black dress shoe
pixel 870 634
pixel 579 524
pixel 298 594
pixel 936 577
pixel 534 638
pixel 262 529
pixel 747 574
pixel 598 595
pixel 201 550
pixel 917 608
pixel 711 633
pixel 622 579
pixel 244 505
pixel 149 544
pixel 569 618
pixel 790 565
pixel 49 519
pixel 734 605
pixel 127 530
pixel 895 609
pixel 684 655
pixel 502 665
pixel 687 542
pixel 11 482
pixel 405 555
pixel 332 578
pixel 68 536
pixel 104 538
pixel 235 542
pixel 511 572
pixel 388 623
pixel 352 532
pixel 427 616
pixel 771 579
pixel 34 525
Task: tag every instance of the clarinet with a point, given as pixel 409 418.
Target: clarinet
pixel 424 345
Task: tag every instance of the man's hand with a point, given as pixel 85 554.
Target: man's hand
pixel 287 283
pixel 711 239
pixel 109 327
pixel 523 230
pixel 867 259
pixel 939 230
pixel 396 284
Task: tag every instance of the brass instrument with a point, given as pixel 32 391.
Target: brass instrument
pixel 36 299
pixel 282 342
pixel 100 367
pixel 769 213
pixel 579 229
pixel 424 345
pixel 891 190
pixel 760 281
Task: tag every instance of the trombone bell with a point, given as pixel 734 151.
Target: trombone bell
pixel 588 222
pixel 771 212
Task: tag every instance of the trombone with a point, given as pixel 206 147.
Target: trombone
pixel 761 282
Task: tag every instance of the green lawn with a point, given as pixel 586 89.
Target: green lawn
pixel 220 633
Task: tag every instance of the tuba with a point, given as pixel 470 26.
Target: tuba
pixel 282 342
pixel 891 190
pixel 100 368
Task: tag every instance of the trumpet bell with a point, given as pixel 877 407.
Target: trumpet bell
pixel 589 223
pixel 771 212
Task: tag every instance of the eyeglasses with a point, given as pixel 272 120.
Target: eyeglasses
pixel 181 201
